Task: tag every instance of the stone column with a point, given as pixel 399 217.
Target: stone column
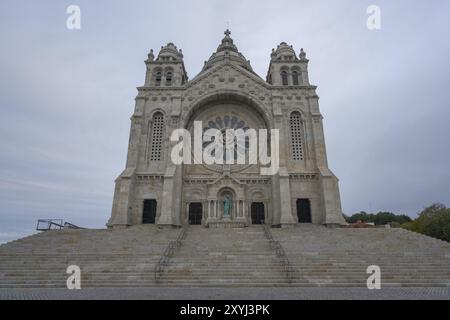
pixel 283 130
pixel 317 133
pixel 286 218
pixel 331 199
pixel 329 185
pixel 245 209
pixel 209 209
pixel 169 197
pixel 240 209
pixel 123 199
pixel 216 209
pixel 186 214
pixel 135 133
pixel 124 192
pixel 265 213
pixel 173 182
pixel 205 213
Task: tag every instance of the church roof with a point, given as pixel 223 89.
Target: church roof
pixel 283 52
pixel 228 50
pixel 171 52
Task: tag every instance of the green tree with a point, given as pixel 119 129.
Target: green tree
pixel 433 221
pixel 381 218
pixel 362 216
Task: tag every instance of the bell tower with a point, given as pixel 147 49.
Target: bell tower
pixel 286 69
pixel 167 70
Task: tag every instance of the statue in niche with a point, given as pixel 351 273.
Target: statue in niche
pixel 227 205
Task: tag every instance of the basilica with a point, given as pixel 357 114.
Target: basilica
pixel 226 94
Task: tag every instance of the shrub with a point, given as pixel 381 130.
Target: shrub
pixel 433 221
pixel 381 218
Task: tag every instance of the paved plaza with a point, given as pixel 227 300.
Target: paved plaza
pixel 175 293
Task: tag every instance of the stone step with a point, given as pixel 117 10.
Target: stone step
pixel 232 257
pixel 197 283
pixel 248 273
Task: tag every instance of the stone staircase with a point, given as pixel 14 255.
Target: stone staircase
pixel 340 257
pixel 225 257
pixel 106 257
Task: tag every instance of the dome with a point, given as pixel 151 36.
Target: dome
pixel 170 52
pixel 227 43
pixel 283 51
pixel 228 50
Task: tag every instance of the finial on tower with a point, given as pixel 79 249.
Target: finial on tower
pixel 151 56
pixel 302 54
pixel 227 32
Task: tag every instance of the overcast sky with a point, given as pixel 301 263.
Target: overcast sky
pixel 66 96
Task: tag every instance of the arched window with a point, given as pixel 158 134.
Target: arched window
pixel 296 136
pixel 156 136
pixel 284 78
pixel 168 78
pixel 158 77
pixel 295 78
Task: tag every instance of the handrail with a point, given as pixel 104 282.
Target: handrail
pixel 168 253
pixel 68 225
pixel 281 254
pixel 49 224
pixel 54 224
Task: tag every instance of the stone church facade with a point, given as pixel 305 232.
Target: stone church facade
pixel 226 94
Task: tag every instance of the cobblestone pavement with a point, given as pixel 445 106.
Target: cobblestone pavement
pixel 172 293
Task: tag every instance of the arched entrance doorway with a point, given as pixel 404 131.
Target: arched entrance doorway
pixel 257 213
pixel 195 213
pixel 149 212
pixel 304 211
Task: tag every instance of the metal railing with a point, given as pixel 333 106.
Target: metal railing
pixel 54 224
pixel 281 254
pixel 68 225
pixel 168 253
pixel 49 224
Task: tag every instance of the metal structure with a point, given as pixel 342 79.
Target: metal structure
pixel 54 224
pixel 280 253
pixel 168 253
